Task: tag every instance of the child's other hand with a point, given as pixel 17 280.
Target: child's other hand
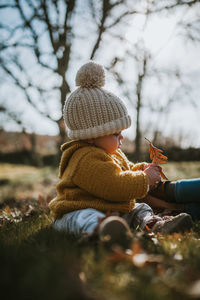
pixel 153 174
pixel 152 164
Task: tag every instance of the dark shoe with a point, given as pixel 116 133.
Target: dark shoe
pixel 114 231
pixel 164 191
pixel 170 224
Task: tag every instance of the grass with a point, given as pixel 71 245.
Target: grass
pixel 39 263
pixel 26 182
pixel 182 170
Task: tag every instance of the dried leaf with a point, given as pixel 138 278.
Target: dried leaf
pixel 157 157
pixel 48 198
pixel 118 255
pixel 163 175
pixel 156 154
pixel 42 201
pixel 136 248
pixel 136 256
pixel 7 209
pixel 40 198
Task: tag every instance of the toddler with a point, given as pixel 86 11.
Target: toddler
pixel 96 178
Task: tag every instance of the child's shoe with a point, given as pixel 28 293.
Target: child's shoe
pixel 114 231
pixel 170 224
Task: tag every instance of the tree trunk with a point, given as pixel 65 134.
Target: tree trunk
pixel 138 134
pixel 138 108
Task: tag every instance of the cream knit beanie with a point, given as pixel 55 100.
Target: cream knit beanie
pixel 90 111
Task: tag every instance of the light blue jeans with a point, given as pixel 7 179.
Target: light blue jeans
pixel 84 221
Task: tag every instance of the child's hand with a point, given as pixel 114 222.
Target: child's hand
pixel 153 174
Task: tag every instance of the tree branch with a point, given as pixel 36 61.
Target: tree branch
pixel 176 4
pixel 50 29
pixel 28 98
pixel 3 6
pixel 118 20
pixel 27 23
pixel 106 10
pixel 107 7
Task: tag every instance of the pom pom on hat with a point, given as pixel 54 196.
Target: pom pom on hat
pixel 90 75
pixel 90 111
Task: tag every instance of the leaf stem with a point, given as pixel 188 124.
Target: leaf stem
pixel 147 140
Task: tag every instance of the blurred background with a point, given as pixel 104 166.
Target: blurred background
pixel 151 54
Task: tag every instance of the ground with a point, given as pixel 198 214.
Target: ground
pixel 39 263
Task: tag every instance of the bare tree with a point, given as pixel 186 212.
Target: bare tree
pixel 134 92
pixel 39 46
pixel 45 32
pixel 142 61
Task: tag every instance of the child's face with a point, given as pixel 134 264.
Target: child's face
pixel 110 142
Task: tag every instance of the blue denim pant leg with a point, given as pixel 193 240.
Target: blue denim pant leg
pixel 187 191
pixel 79 222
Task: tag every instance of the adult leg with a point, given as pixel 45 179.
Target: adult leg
pixel 184 192
pixel 157 203
pixel 181 191
pixel 187 191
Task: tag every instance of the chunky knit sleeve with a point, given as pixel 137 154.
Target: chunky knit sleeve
pixel 100 176
pixel 138 166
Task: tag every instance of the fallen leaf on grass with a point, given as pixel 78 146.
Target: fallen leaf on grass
pixel 136 255
pixel 7 209
pixel 23 209
pixel 43 201
pixel 136 248
pixel 177 236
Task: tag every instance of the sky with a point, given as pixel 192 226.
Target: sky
pixel 162 37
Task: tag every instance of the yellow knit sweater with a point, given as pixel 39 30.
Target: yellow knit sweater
pixel 92 178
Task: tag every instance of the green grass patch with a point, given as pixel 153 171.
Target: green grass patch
pixel 19 182
pixel 182 170
pixel 39 263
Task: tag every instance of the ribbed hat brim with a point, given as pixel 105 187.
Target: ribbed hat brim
pixel 100 130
